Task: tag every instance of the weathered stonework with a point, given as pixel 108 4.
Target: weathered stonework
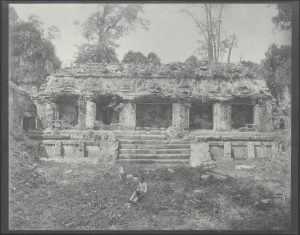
pixel 263 116
pixel 251 150
pixel 222 116
pixel 45 112
pixel 81 112
pixel 127 116
pixel 180 116
pixel 90 114
pixel 199 153
pixel 227 150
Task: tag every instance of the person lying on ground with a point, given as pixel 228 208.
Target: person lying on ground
pixel 139 192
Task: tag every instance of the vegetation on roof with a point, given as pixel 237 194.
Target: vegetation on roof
pixel 198 70
pixel 176 80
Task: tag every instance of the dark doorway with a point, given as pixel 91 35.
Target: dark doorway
pixel 68 111
pixel 241 114
pixel 201 116
pixel 29 123
pixel 155 115
pixel 106 114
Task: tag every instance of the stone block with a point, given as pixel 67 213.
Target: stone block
pixel 199 154
pixel 227 150
pixel 251 150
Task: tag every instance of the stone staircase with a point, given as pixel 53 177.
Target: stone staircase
pixel 152 147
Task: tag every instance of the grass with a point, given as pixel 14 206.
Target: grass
pixel 86 196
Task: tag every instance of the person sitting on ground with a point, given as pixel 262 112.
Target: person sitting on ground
pixel 122 174
pixel 139 192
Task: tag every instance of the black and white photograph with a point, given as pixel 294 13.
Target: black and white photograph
pixel 150 116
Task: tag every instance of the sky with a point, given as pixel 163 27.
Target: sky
pixel 172 35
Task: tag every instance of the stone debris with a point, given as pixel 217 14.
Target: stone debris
pixel 171 170
pixel 198 191
pixel 220 177
pixel 129 176
pixel 266 200
pixel 243 167
pixel 204 177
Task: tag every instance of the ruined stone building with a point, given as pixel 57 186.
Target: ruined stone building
pixel 171 113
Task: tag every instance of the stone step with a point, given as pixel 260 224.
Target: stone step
pixel 154 151
pixel 156 142
pixel 154 156
pixel 153 146
pixel 143 137
pixel 153 161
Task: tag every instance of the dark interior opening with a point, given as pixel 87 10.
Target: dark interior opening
pixel 68 111
pixel 241 114
pixel 105 110
pixel 155 115
pixel 201 116
pixel 29 123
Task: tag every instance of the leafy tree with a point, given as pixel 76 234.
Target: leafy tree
pixel 98 53
pixel 192 61
pixel 277 68
pixel 104 27
pixel 132 57
pixel 153 59
pixel 32 56
pixel 283 19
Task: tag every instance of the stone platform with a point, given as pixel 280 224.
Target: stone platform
pixel 154 146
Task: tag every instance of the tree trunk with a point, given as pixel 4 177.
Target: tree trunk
pixel 230 49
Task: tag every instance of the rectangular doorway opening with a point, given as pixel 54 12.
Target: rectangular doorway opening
pixel 201 116
pixel 29 123
pixel 242 114
pixel 154 115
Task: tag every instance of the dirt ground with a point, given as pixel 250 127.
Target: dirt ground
pixel 52 195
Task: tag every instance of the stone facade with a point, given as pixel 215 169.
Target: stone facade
pixel 95 99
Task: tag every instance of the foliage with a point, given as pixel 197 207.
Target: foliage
pixel 192 61
pixel 98 53
pixel 153 59
pixel 132 57
pixel 283 19
pixel 104 27
pixel 277 68
pixel 33 55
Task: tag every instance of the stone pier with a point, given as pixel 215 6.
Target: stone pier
pixel 90 114
pixel 263 116
pixel 127 116
pixel 180 116
pixel 222 116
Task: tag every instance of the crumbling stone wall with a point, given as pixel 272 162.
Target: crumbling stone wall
pixel 45 112
pixel 20 105
pixel 263 115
